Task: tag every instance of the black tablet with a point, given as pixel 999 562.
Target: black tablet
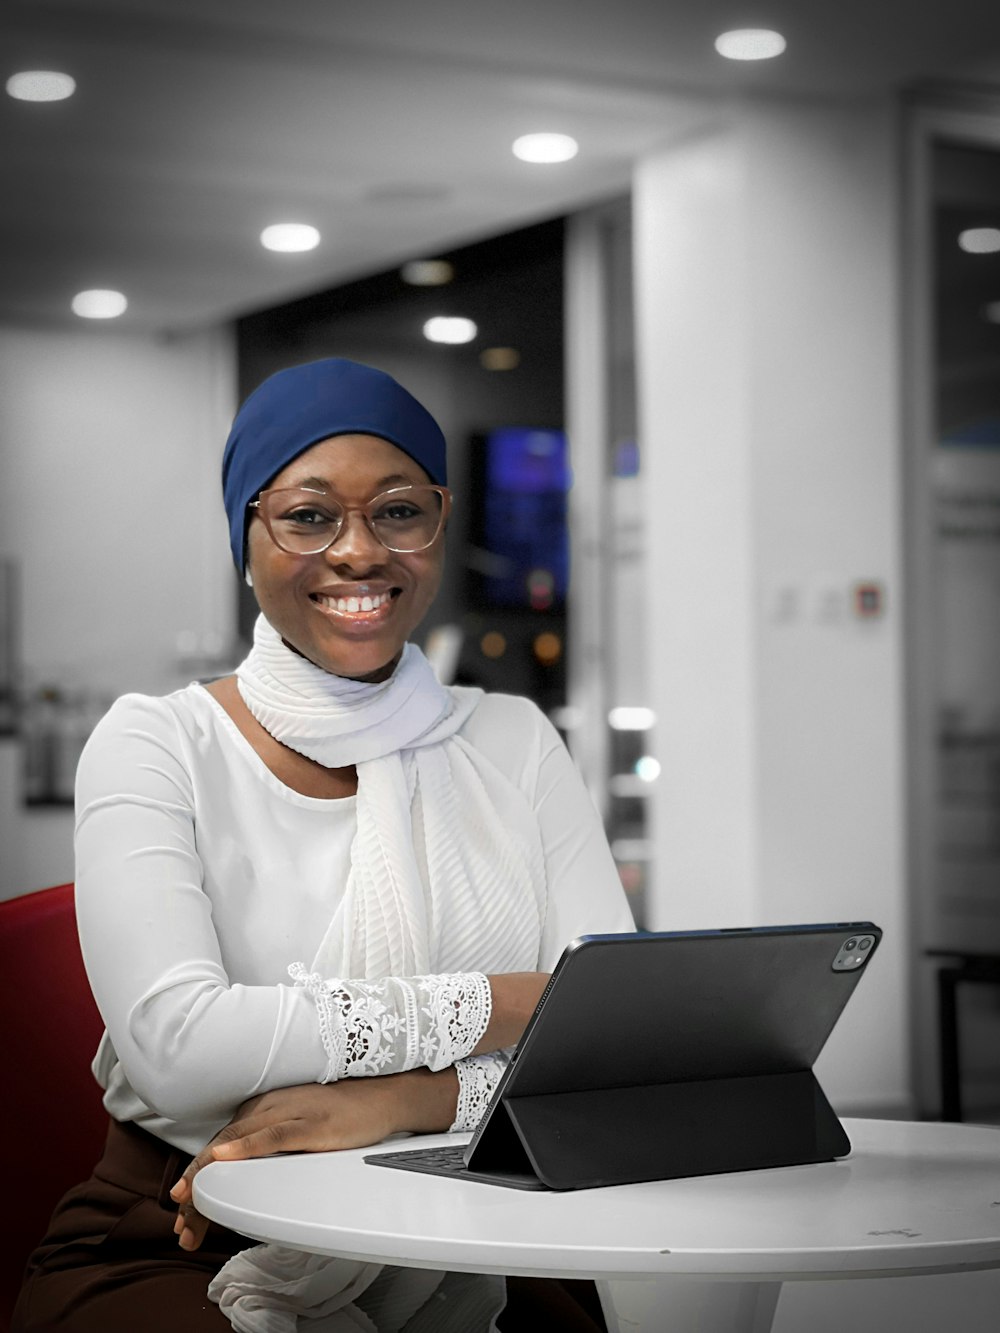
pixel 671 1054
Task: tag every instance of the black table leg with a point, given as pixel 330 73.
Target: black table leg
pixel 951 1088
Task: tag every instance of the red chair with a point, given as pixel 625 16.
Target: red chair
pixel 54 1121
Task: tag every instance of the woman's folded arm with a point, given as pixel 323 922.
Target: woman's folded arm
pixel 392 1024
pixel 194 1032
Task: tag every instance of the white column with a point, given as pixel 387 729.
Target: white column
pixel 766 290
pixel 587 417
pixel 696 441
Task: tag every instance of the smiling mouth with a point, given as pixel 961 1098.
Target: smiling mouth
pixel 363 604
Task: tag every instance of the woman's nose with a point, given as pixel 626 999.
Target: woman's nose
pixel 356 545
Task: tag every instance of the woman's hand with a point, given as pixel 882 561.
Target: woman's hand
pixel 319 1117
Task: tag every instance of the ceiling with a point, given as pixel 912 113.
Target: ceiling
pixel 387 125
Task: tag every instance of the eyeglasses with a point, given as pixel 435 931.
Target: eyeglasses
pixel 303 521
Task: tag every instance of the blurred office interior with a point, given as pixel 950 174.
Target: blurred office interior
pixel 725 441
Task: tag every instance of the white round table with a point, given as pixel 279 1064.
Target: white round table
pixel 710 1252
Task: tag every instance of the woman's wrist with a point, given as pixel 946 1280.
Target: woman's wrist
pixel 515 998
pixel 426 1101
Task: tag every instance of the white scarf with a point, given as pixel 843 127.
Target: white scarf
pixel 338 721
pixel 447 874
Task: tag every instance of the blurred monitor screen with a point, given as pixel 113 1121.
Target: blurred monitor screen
pixel 524 537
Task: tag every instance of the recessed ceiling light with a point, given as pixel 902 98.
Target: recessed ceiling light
pixel 450 329
pixel 99 303
pixel 41 85
pixel 979 240
pixel 427 272
pixel 289 237
pixel 545 148
pixel 750 44
pixel 499 358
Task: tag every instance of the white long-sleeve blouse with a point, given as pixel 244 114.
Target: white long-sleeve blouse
pixel 201 877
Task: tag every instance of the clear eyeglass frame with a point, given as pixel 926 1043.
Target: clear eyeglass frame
pixel 263 502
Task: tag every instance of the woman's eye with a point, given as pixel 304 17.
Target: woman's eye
pixel 399 511
pixel 308 518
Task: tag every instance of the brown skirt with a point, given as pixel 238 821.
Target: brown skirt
pixel 110 1260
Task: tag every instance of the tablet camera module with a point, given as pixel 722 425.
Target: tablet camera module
pixel 853 953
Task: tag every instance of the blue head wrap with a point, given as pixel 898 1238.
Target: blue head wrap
pixel 298 407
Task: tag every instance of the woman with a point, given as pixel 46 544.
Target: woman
pixel 414 858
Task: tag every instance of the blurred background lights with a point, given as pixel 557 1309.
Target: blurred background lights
pixel 631 877
pixel 980 240
pixel 289 237
pixel 99 303
pixel 547 648
pixel 991 312
pixel 647 768
pixel 427 272
pixel 541 589
pixel 450 329
pixel 41 85
pixel 567 717
pixel 493 644
pixel 631 719
pixel 632 849
pixel 545 148
pixel 499 358
pixel 750 44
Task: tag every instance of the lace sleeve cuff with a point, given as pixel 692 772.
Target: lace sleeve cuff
pixel 478 1077
pixel 397 1023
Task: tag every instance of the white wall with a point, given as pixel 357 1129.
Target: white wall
pixel 766 288
pixel 111 505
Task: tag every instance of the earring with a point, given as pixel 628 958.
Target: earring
pixel 249 579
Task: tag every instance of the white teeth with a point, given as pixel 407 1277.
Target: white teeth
pixel 350 606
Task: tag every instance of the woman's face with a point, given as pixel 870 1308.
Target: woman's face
pixel 299 594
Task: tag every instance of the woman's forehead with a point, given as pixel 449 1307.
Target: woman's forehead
pixel 348 462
